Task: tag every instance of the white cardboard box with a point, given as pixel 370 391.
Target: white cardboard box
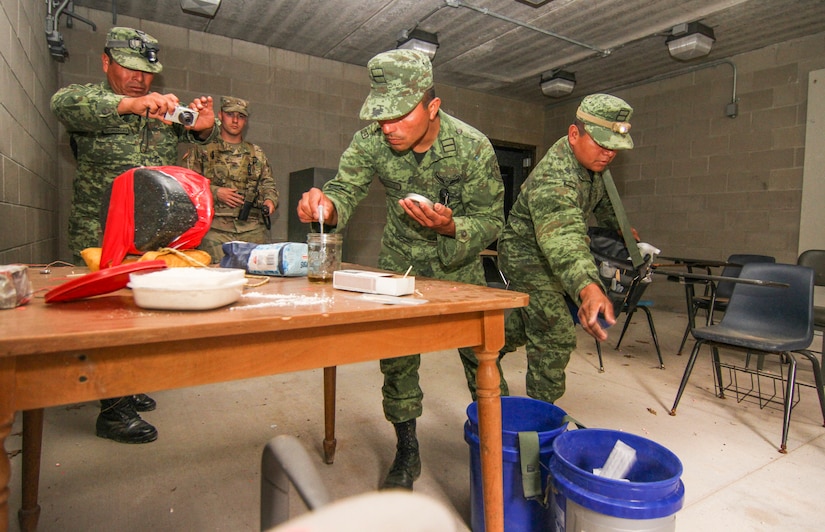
pixel 373 282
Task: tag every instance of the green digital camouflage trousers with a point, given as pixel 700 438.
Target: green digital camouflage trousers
pixel 546 328
pixel 402 393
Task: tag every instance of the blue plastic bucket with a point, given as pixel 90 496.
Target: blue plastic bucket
pixel 647 500
pixel 518 414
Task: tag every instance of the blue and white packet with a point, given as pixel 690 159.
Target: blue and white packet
pixel 283 259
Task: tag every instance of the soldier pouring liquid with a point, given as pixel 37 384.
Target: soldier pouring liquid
pixel 242 184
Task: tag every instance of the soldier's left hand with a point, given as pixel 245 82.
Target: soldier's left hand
pixel 439 218
pixel 206 115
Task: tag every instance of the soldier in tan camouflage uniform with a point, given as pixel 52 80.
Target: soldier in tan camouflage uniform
pixel 114 126
pixel 239 172
pixel 544 248
pixel 413 146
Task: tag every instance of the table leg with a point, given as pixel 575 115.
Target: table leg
pixel 330 375
pixel 7 365
pixel 29 512
pixel 489 414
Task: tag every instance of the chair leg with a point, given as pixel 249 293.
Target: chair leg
pixel 820 387
pixel 654 335
pixel 684 338
pixel 786 418
pixel 688 369
pixel 717 371
pixel 624 328
pixel 599 351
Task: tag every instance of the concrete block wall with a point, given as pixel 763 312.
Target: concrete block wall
pixel 28 178
pixel 701 184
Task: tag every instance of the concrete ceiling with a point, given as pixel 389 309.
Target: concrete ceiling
pixel 500 47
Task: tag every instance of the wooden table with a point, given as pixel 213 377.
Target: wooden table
pixel 106 346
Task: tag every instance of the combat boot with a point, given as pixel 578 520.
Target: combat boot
pixel 407 464
pixel 119 421
pixel 144 403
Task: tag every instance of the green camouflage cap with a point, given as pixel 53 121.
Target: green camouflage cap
pixel 134 49
pixel 606 119
pixel 230 104
pixel 398 81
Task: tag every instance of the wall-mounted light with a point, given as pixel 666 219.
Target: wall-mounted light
pixel 420 40
pixel 200 7
pixel 557 83
pixel 690 40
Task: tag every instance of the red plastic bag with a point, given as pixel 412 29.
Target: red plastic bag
pixel 152 207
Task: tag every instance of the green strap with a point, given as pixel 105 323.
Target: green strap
pixel 621 216
pixel 528 446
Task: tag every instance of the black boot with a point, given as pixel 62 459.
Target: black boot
pixel 119 421
pixel 407 464
pixel 144 403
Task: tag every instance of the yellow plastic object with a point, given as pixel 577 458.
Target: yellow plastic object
pixel 174 258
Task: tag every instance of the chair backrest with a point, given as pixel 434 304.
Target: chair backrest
pixel 814 259
pixel 773 312
pixel 733 269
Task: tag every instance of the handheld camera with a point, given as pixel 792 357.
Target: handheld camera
pixel 182 115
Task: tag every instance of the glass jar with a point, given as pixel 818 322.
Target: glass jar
pixel 324 251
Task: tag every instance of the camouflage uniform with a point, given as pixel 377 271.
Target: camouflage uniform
pixel 462 163
pixel 544 251
pixel 243 167
pixel 107 144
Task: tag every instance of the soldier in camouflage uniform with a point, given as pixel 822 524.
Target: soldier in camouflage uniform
pixel 114 126
pixel 413 146
pixel 239 172
pixel 544 248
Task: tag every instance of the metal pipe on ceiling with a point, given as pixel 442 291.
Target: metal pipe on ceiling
pixel 485 11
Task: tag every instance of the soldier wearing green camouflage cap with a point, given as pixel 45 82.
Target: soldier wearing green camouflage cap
pixel 239 175
pixel 412 146
pixel 113 126
pixel 544 248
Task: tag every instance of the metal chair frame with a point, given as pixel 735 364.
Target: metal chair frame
pixel 765 320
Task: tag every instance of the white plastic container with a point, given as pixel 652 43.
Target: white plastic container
pixel 187 288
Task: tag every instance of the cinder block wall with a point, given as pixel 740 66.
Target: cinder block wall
pixel 701 184
pixel 28 180
pixel 303 110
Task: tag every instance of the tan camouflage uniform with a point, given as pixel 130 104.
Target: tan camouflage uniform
pixel 241 166
pixel 462 162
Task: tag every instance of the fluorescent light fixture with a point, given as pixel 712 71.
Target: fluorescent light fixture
pixel 420 40
pixel 689 41
pixel 557 83
pixel 200 7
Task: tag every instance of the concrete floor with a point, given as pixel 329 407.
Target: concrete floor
pixel 203 473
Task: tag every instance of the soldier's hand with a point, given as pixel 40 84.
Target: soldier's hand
pixel 595 303
pixel 206 114
pixel 230 196
pixel 439 218
pixel 155 103
pixel 308 207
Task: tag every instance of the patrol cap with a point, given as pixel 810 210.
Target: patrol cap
pixel 606 119
pixel 398 81
pixel 134 49
pixel 230 104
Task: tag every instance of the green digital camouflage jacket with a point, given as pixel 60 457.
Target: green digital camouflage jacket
pixel 241 166
pixel 461 163
pixel 107 144
pixel 545 244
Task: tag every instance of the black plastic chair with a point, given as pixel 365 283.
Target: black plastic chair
pixel 815 259
pixel 765 321
pixel 716 297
